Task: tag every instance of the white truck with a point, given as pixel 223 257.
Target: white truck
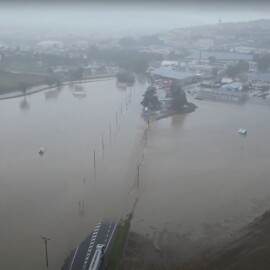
pixel 97 258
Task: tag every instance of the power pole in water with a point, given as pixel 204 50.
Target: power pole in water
pixel 102 139
pixel 46 249
pixel 110 129
pixel 95 164
pixel 138 174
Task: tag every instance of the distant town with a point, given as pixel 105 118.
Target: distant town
pixel 224 62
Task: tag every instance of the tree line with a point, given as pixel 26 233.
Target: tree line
pixel 178 95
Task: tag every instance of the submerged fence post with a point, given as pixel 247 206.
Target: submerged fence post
pixel 95 164
pixel 46 249
pixel 138 175
pixel 110 132
pixel 102 141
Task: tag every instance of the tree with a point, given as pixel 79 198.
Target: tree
pixel 212 59
pixel 255 57
pixel 263 62
pixel 150 99
pixel 231 71
pixel 151 40
pixel 127 42
pixel 172 55
pixel 242 66
pixel 125 77
pixel 214 73
pixel 179 97
pixel 23 86
pixel 53 80
pixel 76 74
pixel 239 67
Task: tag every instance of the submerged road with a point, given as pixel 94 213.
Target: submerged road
pixel 81 257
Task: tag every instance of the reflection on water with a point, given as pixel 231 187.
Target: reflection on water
pixel 52 93
pixel 24 105
pixel 79 91
pixel 177 121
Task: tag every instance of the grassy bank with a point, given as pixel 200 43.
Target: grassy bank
pixel 116 251
pixel 10 81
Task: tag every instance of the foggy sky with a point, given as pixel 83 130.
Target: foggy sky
pixel 131 17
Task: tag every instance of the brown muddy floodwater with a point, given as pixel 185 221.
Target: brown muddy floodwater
pixel 39 196
pixel 200 179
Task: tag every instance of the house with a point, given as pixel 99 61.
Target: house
pixel 226 80
pixel 94 69
pixel 236 86
pixel 220 95
pixel 169 64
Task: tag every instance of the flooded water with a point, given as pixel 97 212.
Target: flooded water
pixel 58 195
pixel 200 178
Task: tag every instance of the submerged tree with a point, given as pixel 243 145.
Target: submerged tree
pixel 150 99
pixel 53 80
pixel 240 67
pixel 179 97
pixel 125 77
pixel 76 74
pixel 23 86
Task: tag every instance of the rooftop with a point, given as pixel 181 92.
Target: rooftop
pixel 172 74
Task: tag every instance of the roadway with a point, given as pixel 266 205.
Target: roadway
pixel 81 257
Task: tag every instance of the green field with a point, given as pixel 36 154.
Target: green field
pixel 9 81
pixel 119 243
pixel 23 65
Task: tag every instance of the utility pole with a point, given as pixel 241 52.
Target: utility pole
pixel 102 139
pixel 95 164
pixel 110 129
pixel 46 249
pixel 138 174
pixel 95 159
pixel 145 136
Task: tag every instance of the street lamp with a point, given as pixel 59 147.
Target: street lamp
pixel 46 249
